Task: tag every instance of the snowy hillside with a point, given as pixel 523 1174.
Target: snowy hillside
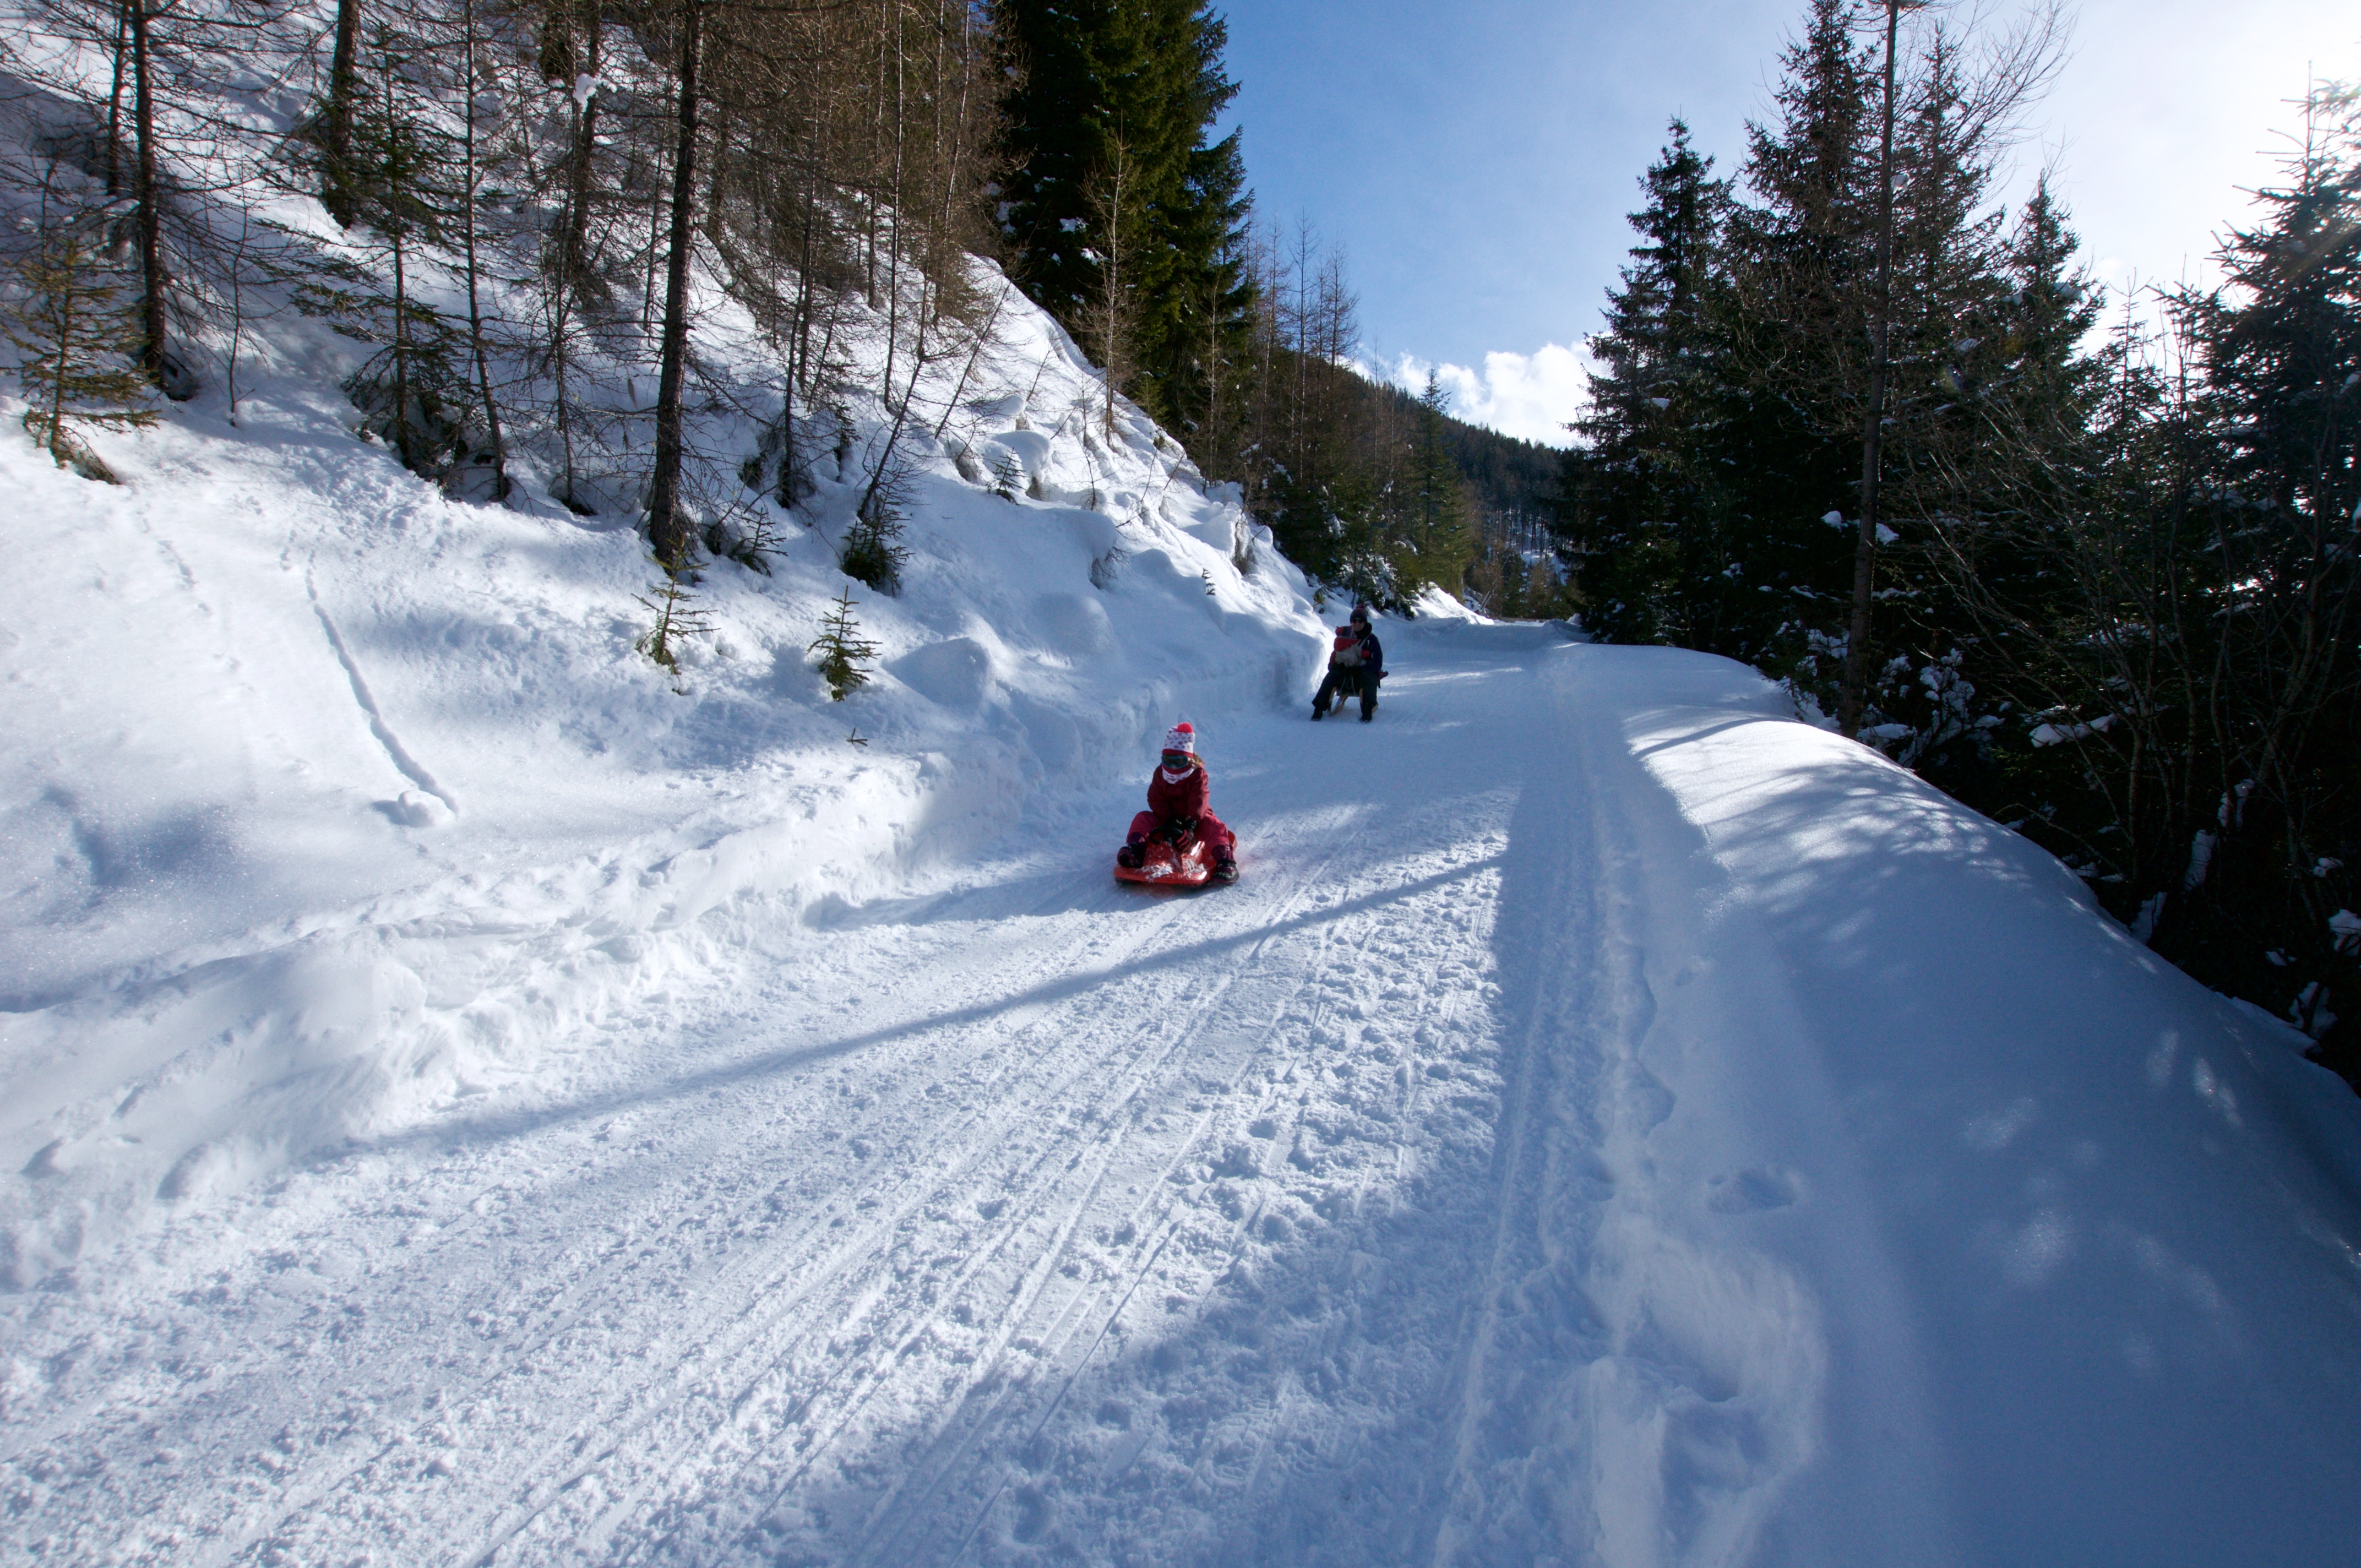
pixel 295 734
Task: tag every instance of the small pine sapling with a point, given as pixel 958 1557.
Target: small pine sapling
pixel 80 349
pixel 678 616
pixel 1007 471
pixel 844 654
pixel 872 552
pixel 751 546
pixel 1105 569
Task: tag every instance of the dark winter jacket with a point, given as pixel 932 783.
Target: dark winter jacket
pixel 1183 798
pixel 1365 654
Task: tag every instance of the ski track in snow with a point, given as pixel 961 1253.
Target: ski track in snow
pixel 1320 1219
pixel 1040 1209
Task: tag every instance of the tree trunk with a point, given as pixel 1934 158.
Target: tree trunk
pixel 573 253
pixel 574 250
pixel 1872 421
pixel 666 531
pixel 67 300
pixel 402 444
pixel 114 100
pixel 336 123
pixel 1112 279
pixel 148 219
pixel 467 234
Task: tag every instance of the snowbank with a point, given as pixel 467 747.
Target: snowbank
pixel 2077 1243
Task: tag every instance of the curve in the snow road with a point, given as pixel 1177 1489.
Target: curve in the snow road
pixel 1494 1175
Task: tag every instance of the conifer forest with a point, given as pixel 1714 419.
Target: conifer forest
pixel 2087 564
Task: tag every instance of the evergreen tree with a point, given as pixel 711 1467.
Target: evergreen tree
pixel 1635 513
pixel 872 552
pixel 2003 462
pixel 2052 309
pixel 1784 453
pixel 2280 346
pixel 845 655
pixel 678 616
pixel 398 180
pixel 79 347
pixel 1438 546
pixel 1145 77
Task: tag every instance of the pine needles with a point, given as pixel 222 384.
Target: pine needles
pixel 79 348
pixel 844 654
pixel 678 616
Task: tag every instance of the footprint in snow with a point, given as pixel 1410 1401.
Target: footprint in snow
pixel 1753 1191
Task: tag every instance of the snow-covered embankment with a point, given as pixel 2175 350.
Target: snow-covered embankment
pixel 333 804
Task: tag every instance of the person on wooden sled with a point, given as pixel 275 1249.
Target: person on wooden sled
pixel 1177 812
pixel 1356 663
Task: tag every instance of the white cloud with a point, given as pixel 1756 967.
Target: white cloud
pixel 1532 396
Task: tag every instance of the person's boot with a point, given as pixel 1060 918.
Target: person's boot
pixel 1225 870
pixel 1318 713
pixel 1128 857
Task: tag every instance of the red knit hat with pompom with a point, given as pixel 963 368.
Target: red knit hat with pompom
pixel 1181 737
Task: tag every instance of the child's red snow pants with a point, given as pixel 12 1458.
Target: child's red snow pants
pixel 1209 827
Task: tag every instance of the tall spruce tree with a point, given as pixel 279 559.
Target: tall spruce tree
pixel 1635 516
pixel 2281 345
pixel 1145 77
pixel 1996 451
pixel 1784 451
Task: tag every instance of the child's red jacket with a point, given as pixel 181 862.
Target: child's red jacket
pixel 1185 799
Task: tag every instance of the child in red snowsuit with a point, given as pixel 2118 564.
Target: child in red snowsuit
pixel 1177 794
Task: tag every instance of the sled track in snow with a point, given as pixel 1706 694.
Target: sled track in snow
pixel 1161 1220
pixel 1039 1191
pixel 1049 1312
pixel 793 1275
pixel 796 1287
pixel 864 1255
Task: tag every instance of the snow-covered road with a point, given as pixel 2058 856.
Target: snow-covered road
pixel 1559 1148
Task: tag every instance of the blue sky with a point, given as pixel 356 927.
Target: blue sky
pixel 1476 160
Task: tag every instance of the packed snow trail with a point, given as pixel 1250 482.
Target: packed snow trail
pixel 1608 1124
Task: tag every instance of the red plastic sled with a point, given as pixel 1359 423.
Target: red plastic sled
pixel 1159 867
